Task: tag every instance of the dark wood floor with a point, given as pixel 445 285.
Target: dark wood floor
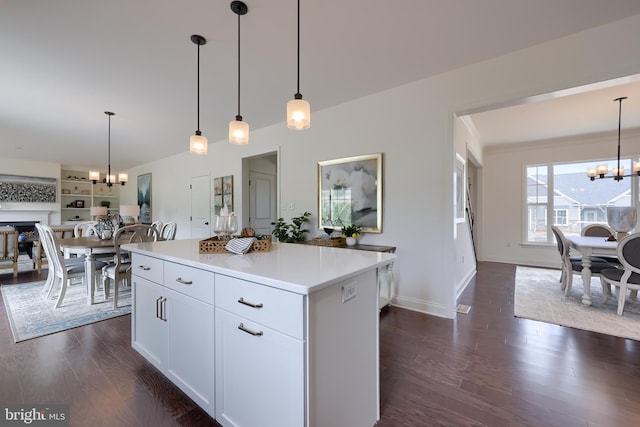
pixel 486 368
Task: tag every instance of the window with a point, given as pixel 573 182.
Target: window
pixel 563 195
pixel 560 217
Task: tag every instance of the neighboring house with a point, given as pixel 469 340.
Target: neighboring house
pixel 575 204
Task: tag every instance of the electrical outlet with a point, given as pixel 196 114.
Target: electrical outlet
pixel 292 206
pixel 349 291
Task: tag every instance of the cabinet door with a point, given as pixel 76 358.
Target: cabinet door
pixel 259 378
pixel 190 363
pixel 148 329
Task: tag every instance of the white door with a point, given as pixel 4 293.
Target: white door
pixel 200 207
pixel 262 207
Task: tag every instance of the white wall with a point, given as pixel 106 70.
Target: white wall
pixel 504 209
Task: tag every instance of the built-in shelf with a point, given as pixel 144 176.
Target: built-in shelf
pixel 82 191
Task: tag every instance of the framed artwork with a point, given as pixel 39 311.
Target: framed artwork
pixel 459 190
pixel 27 189
pixel 222 193
pixel 350 192
pixel 144 198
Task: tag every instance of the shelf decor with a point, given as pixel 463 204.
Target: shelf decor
pixel 27 189
pixel 350 192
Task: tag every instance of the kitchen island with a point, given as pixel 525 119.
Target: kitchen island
pixel 287 337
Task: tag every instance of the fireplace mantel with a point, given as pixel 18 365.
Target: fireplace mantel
pixel 35 215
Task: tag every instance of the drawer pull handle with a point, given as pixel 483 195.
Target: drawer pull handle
pixel 144 267
pixel 184 282
pixel 249 331
pixel 250 304
pixel 164 304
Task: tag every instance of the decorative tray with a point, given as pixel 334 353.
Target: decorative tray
pixel 338 241
pixel 213 245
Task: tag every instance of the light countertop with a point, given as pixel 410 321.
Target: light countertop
pixel 293 267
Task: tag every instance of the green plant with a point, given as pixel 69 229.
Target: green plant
pixel 351 230
pixel 291 232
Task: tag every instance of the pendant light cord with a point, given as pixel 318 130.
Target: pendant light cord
pixel 619 128
pixel 298 88
pixel 109 153
pixel 238 69
pixel 198 87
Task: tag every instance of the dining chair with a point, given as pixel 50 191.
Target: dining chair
pixel 61 270
pixel 169 231
pixel 627 278
pixel 9 249
pixel 120 270
pixel 157 225
pixel 85 228
pixel 571 265
pixel 61 231
pixel 598 230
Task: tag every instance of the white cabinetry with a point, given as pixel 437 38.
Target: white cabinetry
pixel 172 324
pixel 282 350
pixel 260 355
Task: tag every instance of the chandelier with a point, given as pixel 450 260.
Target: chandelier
pixel 110 179
pixel 600 171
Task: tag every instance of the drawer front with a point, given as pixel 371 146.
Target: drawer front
pixel 190 281
pixel 147 267
pixel 275 308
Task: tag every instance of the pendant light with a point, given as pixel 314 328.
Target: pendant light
pixel 198 144
pixel 110 179
pixel 298 110
pixel 600 171
pixel 239 130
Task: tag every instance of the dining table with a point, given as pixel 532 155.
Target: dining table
pixel 89 246
pixel 589 246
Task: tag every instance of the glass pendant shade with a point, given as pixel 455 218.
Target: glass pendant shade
pixel 123 178
pixel 298 114
pixel 238 132
pixel 198 144
pixel 94 176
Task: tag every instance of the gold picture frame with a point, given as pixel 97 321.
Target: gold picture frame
pixel 350 192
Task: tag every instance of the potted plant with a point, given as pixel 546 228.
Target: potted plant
pixel 291 232
pixel 351 232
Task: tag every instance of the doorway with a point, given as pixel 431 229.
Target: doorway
pixel 200 206
pixel 260 174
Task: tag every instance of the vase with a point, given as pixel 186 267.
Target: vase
pixel 622 219
pixel 351 241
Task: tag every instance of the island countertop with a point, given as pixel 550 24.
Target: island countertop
pixel 302 269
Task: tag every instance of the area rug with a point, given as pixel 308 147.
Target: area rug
pixel 538 297
pixel 32 315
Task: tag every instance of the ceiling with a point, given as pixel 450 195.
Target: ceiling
pixel 64 63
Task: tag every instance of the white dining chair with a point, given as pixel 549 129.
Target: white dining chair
pixel 120 270
pixel 169 231
pixel 61 270
pixel 571 265
pixel 627 278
